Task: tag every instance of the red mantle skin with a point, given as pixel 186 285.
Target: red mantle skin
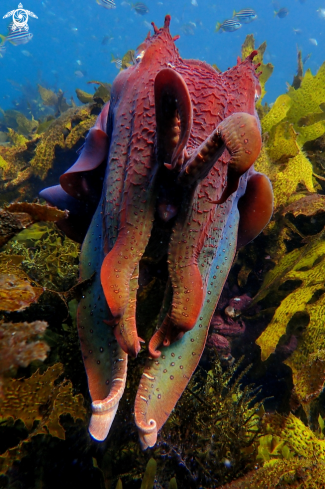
pixel 180 140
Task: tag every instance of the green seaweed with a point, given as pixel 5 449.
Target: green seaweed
pixel 215 426
pixel 49 258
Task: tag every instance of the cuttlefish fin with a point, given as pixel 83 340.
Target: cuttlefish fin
pixel 105 361
pixel 242 137
pixel 173 116
pixel 82 181
pixel 81 185
pixel 255 208
pixel 78 219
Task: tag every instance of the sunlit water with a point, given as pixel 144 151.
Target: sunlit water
pixel 73 41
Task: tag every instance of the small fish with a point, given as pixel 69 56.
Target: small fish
pixel 313 42
pixel 245 16
pixel 79 74
pixel 140 8
pixel 19 37
pixel 321 13
pixel 107 3
pixel 107 39
pixel 306 58
pixel 230 25
pixel 26 53
pixel 3 48
pixel 194 3
pixel 189 29
pixel 147 24
pixel 298 32
pixel 117 62
pixel 283 12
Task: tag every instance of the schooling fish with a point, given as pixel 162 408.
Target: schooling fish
pixel 3 48
pixel 107 3
pixel 140 8
pixel 18 37
pixel 245 16
pixel 283 12
pixel 230 25
pixel 117 62
pixel 189 29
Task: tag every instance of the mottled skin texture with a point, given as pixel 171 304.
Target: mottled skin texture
pixel 182 140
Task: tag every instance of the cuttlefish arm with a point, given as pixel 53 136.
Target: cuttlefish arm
pixel 172 127
pixel 105 361
pixel 240 135
pixel 165 378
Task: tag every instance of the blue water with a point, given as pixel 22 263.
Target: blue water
pixel 68 38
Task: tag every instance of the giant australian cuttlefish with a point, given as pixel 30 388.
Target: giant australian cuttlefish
pixel 176 144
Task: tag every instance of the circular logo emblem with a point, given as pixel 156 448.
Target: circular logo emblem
pixel 20 18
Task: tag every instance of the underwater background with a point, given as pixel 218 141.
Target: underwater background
pixel 253 414
pixel 73 41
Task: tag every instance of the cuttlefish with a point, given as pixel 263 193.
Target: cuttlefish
pixel 176 144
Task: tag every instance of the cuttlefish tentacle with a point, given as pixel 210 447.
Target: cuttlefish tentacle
pixel 174 117
pixel 105 361
pixel 165 378
pixel 240 134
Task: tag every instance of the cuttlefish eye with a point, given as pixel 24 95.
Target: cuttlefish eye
pixel 257 92
pixel 139 53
